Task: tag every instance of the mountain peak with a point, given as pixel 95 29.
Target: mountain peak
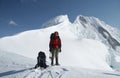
pixel 84 19
pixel 89 21
pixel 56 20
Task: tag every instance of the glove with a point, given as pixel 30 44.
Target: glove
pixel 59 50
pixel 50 49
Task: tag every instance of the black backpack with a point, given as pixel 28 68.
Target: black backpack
pixel 41 55
pixel 41 60
pixel 52 36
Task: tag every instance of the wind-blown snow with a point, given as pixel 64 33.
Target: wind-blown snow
pixel 86 43
pixel 55 21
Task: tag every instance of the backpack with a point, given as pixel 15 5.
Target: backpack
pixel 50 43
pixel 41 55
pixel 41 60
pixel 52 36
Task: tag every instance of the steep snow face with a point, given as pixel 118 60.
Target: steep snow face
pixel 93 28
pixel 86 43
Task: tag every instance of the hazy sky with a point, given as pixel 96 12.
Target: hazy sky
pixel 20 15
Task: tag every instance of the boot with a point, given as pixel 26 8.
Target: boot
pixel 57 61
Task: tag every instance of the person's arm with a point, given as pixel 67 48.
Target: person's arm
pixel 60 44
pixel 50 45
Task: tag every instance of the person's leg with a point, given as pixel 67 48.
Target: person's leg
pixel 52 59
pixel 56 56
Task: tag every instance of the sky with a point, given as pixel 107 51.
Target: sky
pixel 22 15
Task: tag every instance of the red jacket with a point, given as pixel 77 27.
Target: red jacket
pixel 55 43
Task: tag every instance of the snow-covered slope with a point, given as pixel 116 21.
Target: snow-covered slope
pixel 17 66
pixel 14 65
pixel 87 43
pixel 69 72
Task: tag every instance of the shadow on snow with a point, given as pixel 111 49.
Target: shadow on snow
pixel 11 72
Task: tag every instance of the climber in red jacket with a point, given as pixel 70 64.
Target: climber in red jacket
pixel 55 47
